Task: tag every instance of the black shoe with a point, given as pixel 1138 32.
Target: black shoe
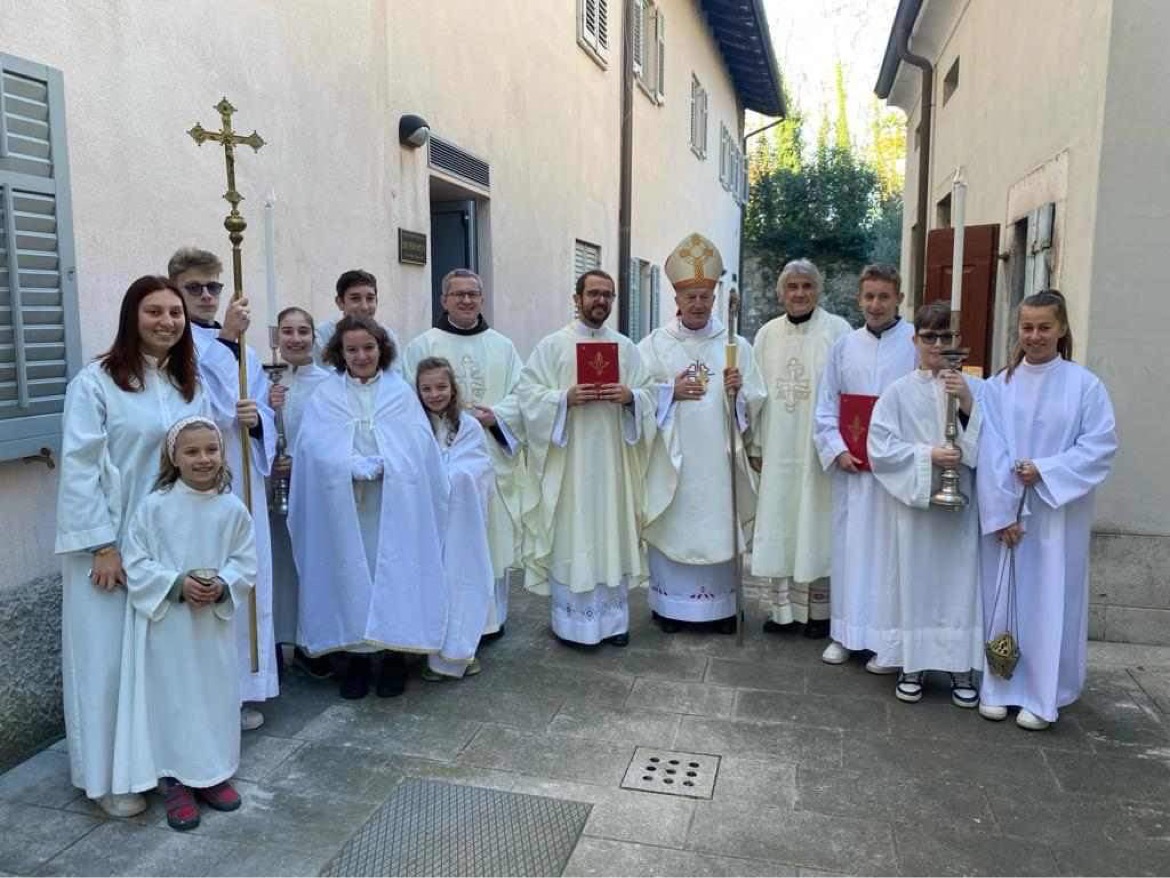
pixel 392 677
pixel 725 626
pixel 668 626
pixel 773 627
pixel 489 638
pixel 355 676
pixel 816 629
pixel 619 640
pixel 573 644
pixel 319 668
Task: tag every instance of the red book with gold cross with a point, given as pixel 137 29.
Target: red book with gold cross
pixel 597 362
pixel 853 422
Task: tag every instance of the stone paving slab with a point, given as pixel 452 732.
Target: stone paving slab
pixel 822 772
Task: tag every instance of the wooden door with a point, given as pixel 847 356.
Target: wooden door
pixel 980 262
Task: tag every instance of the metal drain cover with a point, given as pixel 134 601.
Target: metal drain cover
pixel 672 773
pixel 434 828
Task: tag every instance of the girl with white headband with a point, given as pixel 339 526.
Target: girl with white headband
pixel 190 557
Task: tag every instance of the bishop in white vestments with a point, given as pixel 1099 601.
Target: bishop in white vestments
pixel 689 520
pixel 217 350
pixel 860 366
pixel 1048 444
pixel 929 606
pixel 487 368
pixel 793 528
pixel 588 444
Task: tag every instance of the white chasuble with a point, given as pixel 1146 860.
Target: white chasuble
pixel 181 692
pixel 866 364
pixel 301 381
pixel 793 520
pixel 218 369
pixel 928 607
pixel 688 482
pixel 1059 416
pixel 585 501
pixel 110 450
pixel 467 563
pixel 367 511
pixel 487 368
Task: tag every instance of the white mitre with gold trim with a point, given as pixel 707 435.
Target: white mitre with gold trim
pixel 695 265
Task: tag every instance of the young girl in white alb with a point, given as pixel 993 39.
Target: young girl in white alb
pixel 467 562
pixel 190 559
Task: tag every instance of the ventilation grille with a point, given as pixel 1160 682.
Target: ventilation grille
pixel 446 156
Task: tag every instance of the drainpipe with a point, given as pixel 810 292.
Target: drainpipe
pixel 626 178
pixel 925 123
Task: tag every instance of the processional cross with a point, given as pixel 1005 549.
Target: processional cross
pixel 235 224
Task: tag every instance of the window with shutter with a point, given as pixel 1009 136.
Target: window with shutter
pixel 649 45
pixel 586 257
pixel 660 58
pixel 593 28
pixel 653 309
pixel 635 299
pixel 39 332
pixel 638 35
pixel 1038 269
pixel 698 118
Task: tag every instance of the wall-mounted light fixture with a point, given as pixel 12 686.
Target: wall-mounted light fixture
pixel 413 131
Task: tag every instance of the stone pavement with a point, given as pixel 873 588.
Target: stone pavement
pixel 823 771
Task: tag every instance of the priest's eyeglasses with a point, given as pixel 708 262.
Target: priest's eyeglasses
pixel 194 288
pixel 469 295
pixel 932 338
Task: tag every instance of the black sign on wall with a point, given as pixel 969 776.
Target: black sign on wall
pixel 412 247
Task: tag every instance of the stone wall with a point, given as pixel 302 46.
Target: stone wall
pixel 30 668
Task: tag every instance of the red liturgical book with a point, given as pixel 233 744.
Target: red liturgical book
pixel 597 362
pixel 854 415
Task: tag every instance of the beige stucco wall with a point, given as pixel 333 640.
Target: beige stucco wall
pixel 1030 95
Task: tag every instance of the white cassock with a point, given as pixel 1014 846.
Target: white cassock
pixel 487 368
pixel 110 451
pixel 467 562
pixel 181 696
pixel 793 539
pixel 324 334
pixel 584 505
pixel 928 607
pixel 1058 415
pixel 367 512
pixel 690 543
pixel 219 371
pixel 301 381
pixel 859 363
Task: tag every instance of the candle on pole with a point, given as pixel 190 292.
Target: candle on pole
pixel 958 223
pixel 270 254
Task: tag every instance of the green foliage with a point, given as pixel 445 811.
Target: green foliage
pixel 839 207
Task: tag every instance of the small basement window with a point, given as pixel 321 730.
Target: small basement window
pixel 951 81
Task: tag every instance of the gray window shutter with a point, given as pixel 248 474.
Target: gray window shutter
pixel 660 74
pixel 635 299
pixel 39 332
pixel 655 281
pixel 638 12
pixel 602 24
pixel 1038 265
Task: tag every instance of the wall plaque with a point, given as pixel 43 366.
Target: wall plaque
pixel 412 247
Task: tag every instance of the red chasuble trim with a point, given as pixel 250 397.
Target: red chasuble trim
pixel 853 421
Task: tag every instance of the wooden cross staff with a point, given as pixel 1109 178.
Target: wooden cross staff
pixel 235 225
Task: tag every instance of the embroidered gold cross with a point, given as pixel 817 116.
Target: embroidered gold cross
pixel 856 429
pixel 696 253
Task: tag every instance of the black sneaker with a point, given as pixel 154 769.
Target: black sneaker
pixel 816 629
pixel 354 676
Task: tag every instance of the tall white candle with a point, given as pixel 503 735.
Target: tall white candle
pixel 958 222
pixel 270 255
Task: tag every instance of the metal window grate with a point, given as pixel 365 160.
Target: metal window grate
pixel 446 156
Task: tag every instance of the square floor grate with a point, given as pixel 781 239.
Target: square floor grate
pixel 672 773
pixel 433 828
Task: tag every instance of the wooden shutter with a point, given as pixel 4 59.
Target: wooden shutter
pixel 602 24
pixel 980 263
pixel 39 334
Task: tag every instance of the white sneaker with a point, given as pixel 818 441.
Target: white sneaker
pixel 909 688
pixel 963 691
pixel 250 719
pixel 993 712
pixel 1025 719
pixel 835 654
pixel 123 804
pixel 874 668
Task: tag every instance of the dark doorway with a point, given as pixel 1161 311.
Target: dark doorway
pixel 453 245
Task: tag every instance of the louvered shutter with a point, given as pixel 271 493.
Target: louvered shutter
pixel 602 24
pixel 638 36
pixel 655 305
pixel 660 74
pixel 39 335
pixel 635 300
pixel 1039 265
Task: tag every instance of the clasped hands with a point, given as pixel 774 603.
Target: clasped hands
pixel 201 594
pixel 579 394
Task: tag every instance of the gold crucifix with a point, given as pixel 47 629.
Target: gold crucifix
pixel 235 225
